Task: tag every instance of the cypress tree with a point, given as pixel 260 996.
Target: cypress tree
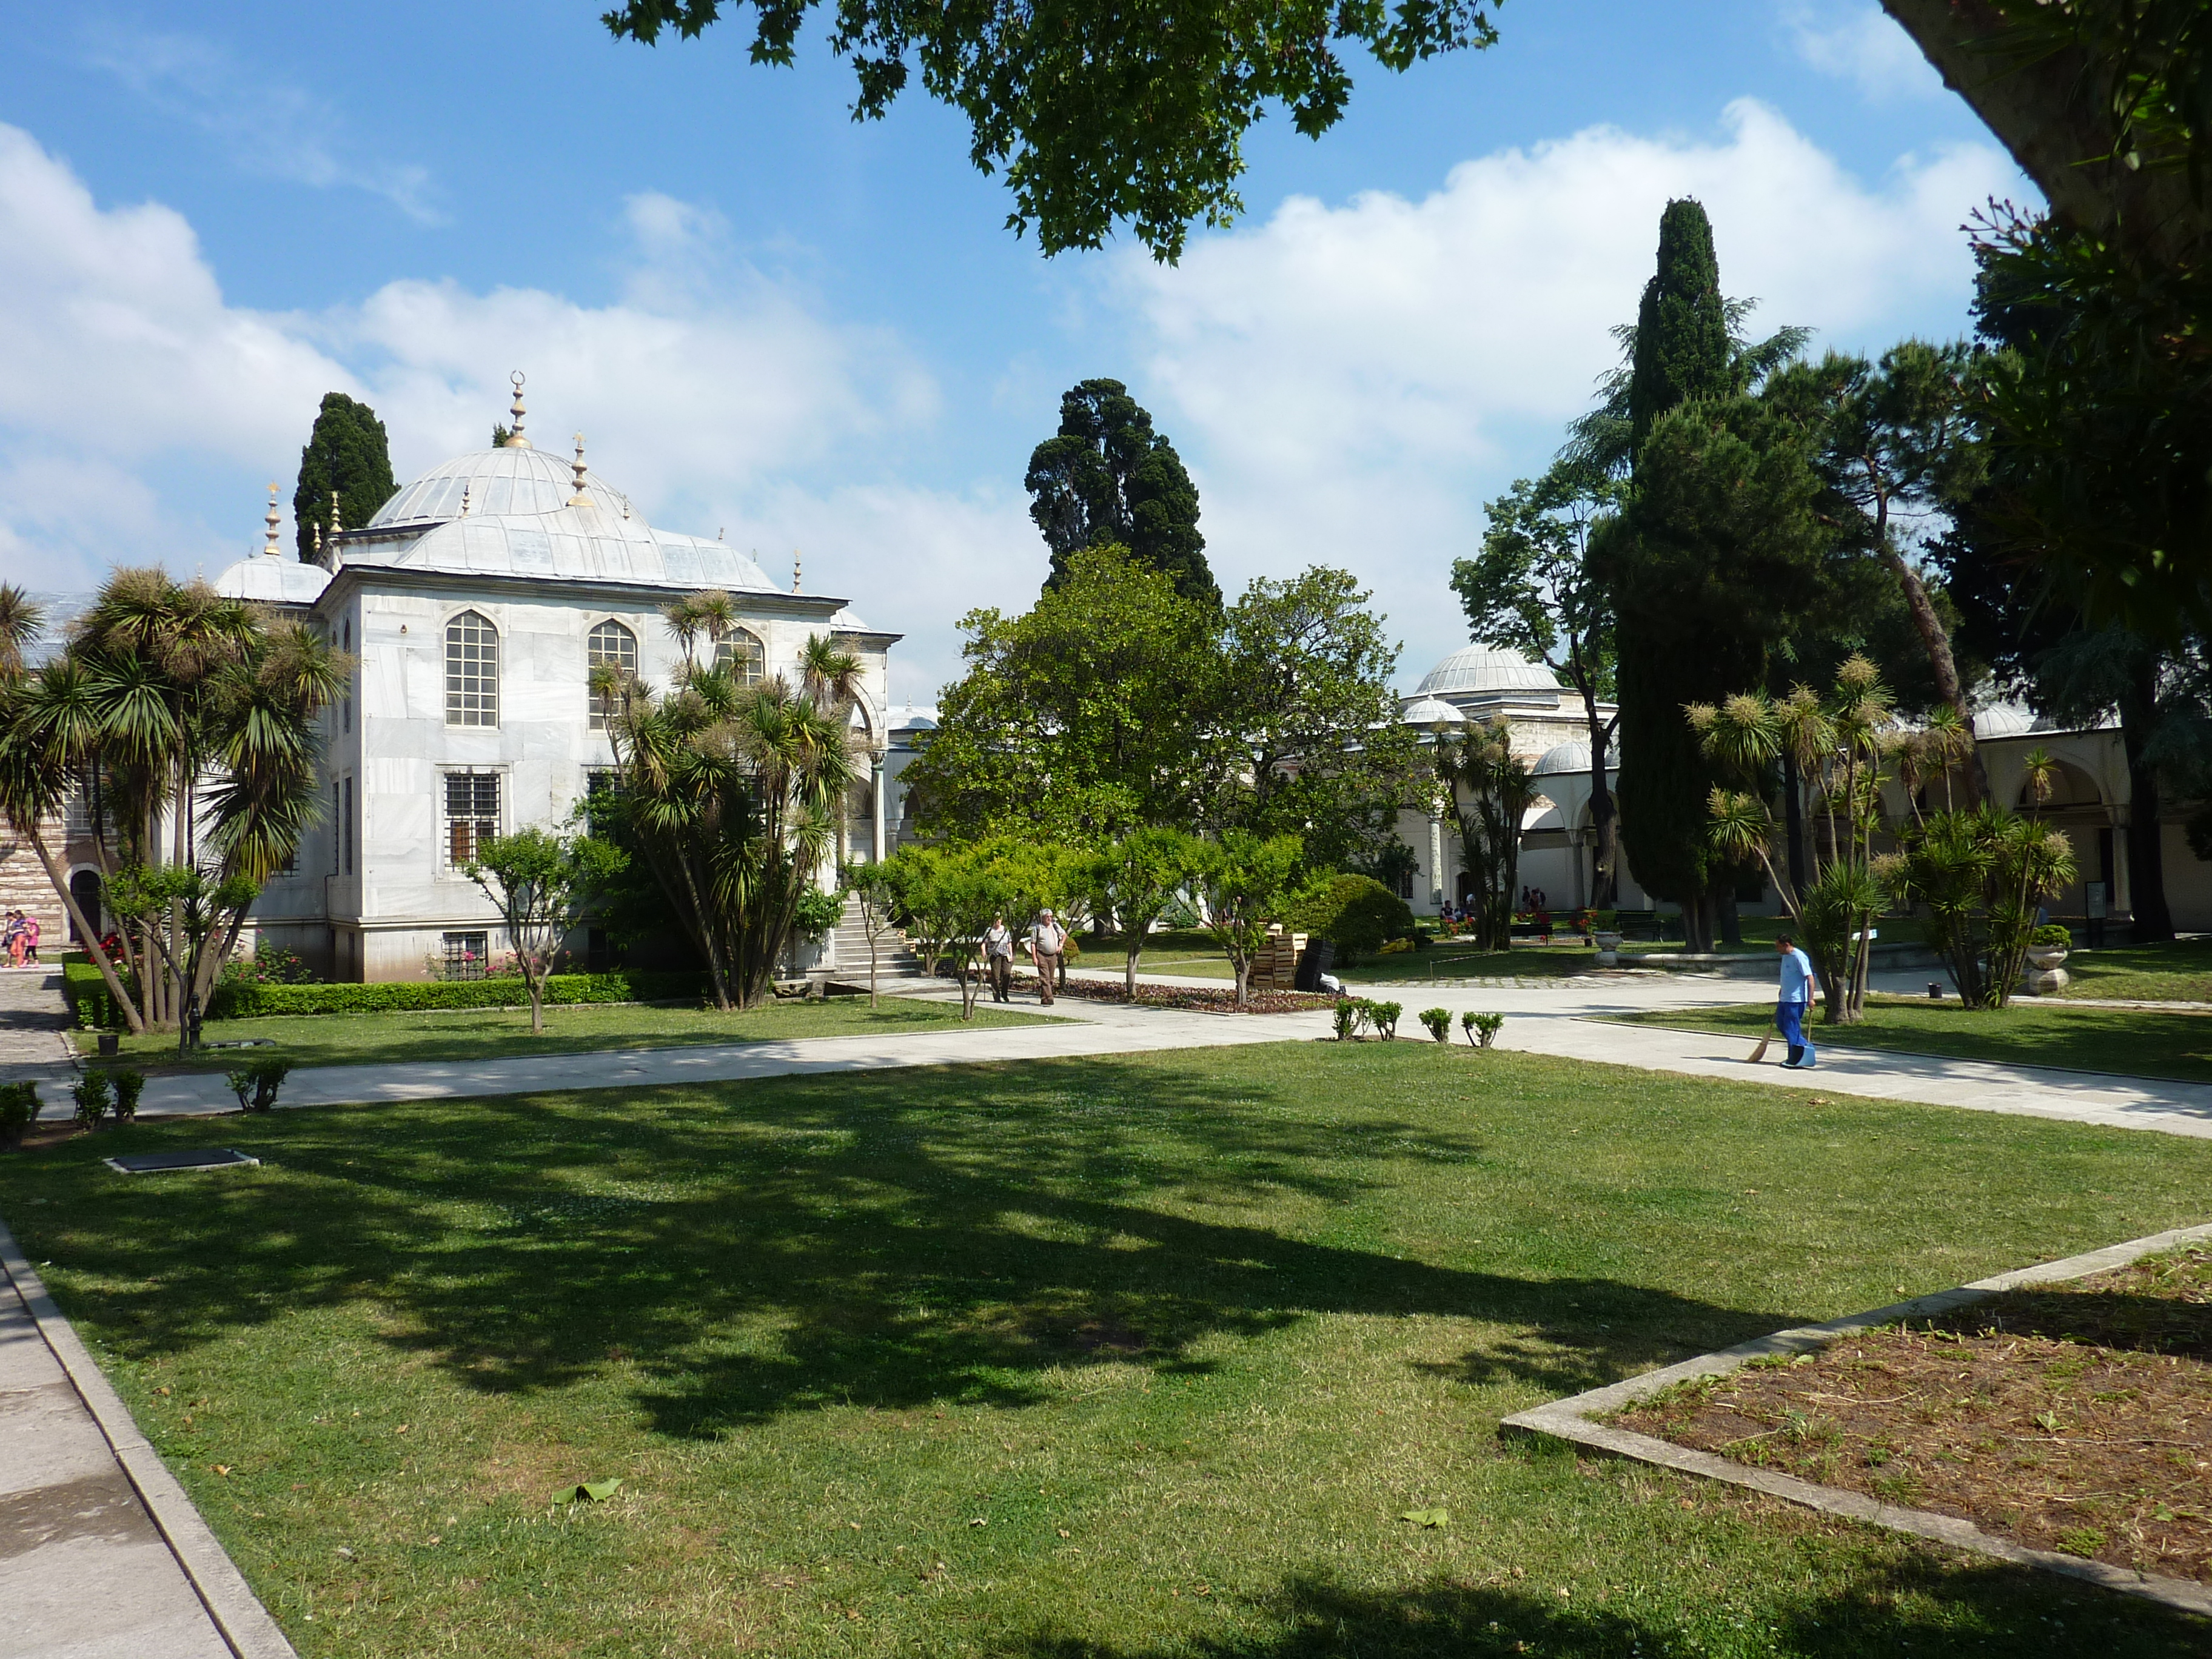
pixel 346 452
pixel 1107 477
pixel 1682 345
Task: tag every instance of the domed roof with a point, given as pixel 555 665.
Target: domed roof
pixel 2003 720
pixel 1476 671
pixel 499 481
pixel 1427 711
pixel 1565 759
pixel 273 579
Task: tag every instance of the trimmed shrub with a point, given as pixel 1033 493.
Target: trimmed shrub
pixel 1355 913
pixel 1346 1016
pixel 1481 1029
pixel 91 1008
pixel 128 1085
pixel 1438 1020
pixel 91 1092
pixel 2052 933
pixel 256 1083
pixel 19 1110
pixel 1384 1015
pixel 247 1001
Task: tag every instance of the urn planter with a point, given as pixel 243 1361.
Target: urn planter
pixel 2046 976
pixel 1608 948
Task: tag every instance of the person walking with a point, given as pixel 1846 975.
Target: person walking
pixel 998 959
pixel 30 939
pixel 1047 941
pixel 1793 1001
pixel 15 938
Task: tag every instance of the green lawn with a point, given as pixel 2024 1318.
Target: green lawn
pixel 2179 970
pixel 2139 1043
pixel 496 1033
pixel 1125 1358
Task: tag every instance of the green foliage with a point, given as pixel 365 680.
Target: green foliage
pixel 1487 790
pixel 1355 913
pixel 346 453
pixel 1384 1017
pixel 2053 932
pixel 92 1007
pixel 1438 1022
pixel 1980 872
pixel 1683 352
pixel 19 1110
pixel 817 912
pixel 1246 881
pixel 1481 1030
pixel 950 895
pixel 1138 879
pixel 395 996
pixel 1108 479
pixel 93 1093
pixel 1345 1016
pixel 129 1085
pixel 256 1082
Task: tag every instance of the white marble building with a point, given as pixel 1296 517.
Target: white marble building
pixel 477 601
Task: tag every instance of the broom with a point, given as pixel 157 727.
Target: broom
pixel 1759 1052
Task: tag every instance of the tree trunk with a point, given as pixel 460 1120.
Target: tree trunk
pixel 1793 819
pixel 1605 817
pixel 536 984
pixel 2154 920
pixel 1936 642
pixel 2052 115
pixel 76 913
pixel 1724 908
pixel 1129 975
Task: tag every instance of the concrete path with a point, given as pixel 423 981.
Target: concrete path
pixel 101 1554
pixel 33 1018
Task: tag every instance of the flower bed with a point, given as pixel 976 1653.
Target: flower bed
pixel 1222 1001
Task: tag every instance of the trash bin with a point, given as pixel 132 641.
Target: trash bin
pixel 1313 962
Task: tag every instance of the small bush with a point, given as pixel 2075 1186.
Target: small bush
pixel 1438 1020
pixel 1481 1029
pixel 256 1083
pixel 92 1092
pixel 1346 1015
pixel 1384 1015
pixel 128 1085
pixel 2051 933
pixel 91 1008
pixel 19 1110
pixel 1355 913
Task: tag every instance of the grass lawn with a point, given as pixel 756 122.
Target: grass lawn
pixel 496 1033
pixel 2179 970
pixel 2137 1042
pixel 1119 1358
pixel 1198 957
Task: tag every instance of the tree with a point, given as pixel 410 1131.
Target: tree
pixel 1532 591
pixel 1108 478
pixel 346 454
pixel 1136 879
pixel 542 883
pixel 1682 349
pixel 1487 789
pixel 1304 735
pixel 1980 873
pixel 951 893
pixel 1079 718
pixel 1245 882
pixel 732 794
pixel 875 890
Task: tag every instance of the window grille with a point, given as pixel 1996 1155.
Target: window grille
pixel 616 646
pixel 471 671
pixel 471 814
pixel 465 955
pixel 743 651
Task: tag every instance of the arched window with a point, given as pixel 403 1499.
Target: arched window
pixel 746 655
pixel 615 647
pixel 471 671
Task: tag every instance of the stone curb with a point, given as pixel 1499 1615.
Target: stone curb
pixel 1569 1419
pixel 238 1617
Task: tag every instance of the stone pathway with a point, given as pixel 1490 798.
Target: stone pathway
pixel 33 1018
pixel 101 1554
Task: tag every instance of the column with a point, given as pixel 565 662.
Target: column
pixel 1435 862
pixel 876 791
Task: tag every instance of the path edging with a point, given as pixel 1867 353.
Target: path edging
pixel 244 1624
pixel 1569 1420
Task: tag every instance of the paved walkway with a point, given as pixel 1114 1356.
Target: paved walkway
pixel 33 1018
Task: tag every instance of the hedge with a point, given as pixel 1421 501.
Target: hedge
pixel 91 1007
pixel 1357 914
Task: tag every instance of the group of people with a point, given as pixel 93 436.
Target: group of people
pixel 1047 946
pixel 22 939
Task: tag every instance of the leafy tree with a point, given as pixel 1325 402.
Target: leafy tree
pixel 732 794
pixel 951 893
pixel 1108 478
pixel 542 883
pixel 1532 591
pixel 874 889
pixel 1487 790
pixel 1137 878
pixel 1305 738
pixel 346 453
pixel 1099 115
pixel 1246 881
pixel 1980 873
pixel 1079 718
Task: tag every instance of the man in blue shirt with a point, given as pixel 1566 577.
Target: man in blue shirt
pixel 1797 997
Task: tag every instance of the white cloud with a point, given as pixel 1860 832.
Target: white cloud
pixel 1350 383
pixel 1861 43
pixel 269 126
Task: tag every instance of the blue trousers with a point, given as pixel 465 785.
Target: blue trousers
pixel 1789 1020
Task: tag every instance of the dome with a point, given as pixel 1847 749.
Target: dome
pixel 2004 720
pixel 1427 711
pixel 267 579
pixel 521 482
pixel 1566 759
pixel 1476 671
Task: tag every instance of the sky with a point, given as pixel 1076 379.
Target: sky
pixel 806 334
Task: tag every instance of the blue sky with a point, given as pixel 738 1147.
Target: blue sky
pixel 802 332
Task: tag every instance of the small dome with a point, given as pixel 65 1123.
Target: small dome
pixel 911 719
pixel 1481 669
pixel 499 483
pixel 2003 720
pixel 1427 711
pixel 1565 759
pixel 265 579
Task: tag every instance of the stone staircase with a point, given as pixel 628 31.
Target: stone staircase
pixel 895 958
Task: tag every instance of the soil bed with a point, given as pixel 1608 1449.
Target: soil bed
pixel 2075 1416
pixel 1190 997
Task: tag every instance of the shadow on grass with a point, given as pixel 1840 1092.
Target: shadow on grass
pixel 1917 1606
pixel 764 1248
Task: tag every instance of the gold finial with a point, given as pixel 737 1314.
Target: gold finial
pixel 271 549
pixel 336 527
pixel 464 500
pixel 794 570
pixel 515 438
pixel 318 543
pixel 580 499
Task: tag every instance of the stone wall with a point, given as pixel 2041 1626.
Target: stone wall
pixel 24 886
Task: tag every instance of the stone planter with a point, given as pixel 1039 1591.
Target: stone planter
pixel 1608 948
pixel 2045 976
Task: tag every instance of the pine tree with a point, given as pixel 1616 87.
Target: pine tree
pixel 1109 478
pixel 1682 345
pixel 347 453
